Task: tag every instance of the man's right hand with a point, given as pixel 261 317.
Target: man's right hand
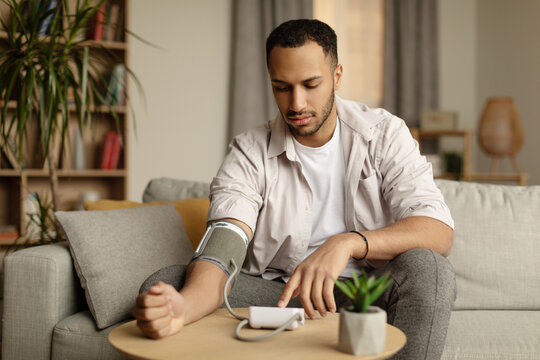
pixel 160 312
pixel 163 311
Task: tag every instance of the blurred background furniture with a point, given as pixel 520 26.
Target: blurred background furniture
pixel 467 174
pixel 500 132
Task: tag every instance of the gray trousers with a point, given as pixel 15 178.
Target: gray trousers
pixel 419 302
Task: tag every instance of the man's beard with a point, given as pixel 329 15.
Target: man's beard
pixel 327 109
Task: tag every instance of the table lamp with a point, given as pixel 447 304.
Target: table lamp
pixel 500 132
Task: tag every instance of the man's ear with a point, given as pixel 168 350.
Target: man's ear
pixel 338 72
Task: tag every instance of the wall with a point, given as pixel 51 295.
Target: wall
pixel 181 132
pixel 508 65
pixel 490 48
pixel 457 59
pixel 457 65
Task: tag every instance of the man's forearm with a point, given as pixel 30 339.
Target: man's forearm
pixel 203 290
pixel 404 235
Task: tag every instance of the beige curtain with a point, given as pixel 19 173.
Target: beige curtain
pixel 410 58
pixel 359 26
pixel 252 102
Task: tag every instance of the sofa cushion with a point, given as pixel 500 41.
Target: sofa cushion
pixel 193 212
pixel 496 245
pixel 114 251
pixel 503 335
pixel 77 337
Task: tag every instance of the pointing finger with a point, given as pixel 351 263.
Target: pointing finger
pixel 288 290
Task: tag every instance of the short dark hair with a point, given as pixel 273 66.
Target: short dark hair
pixel 295 33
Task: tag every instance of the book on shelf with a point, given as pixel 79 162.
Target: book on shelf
pixel 45 24
pixel 113 11
pixel 111 151
pixel 119 30
pixel 97 24
pixel 116 92
pixel 8 234
pixel 105 23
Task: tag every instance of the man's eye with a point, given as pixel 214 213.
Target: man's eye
pixel 309 86
pixel 281 89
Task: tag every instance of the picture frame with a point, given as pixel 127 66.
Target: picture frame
pixel 438 120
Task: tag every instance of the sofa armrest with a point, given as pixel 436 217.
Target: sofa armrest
pixel 40 289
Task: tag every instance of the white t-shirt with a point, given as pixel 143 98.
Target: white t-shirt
pixel 324 169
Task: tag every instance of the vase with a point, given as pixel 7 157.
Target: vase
pixel 362 333
pixel 500 132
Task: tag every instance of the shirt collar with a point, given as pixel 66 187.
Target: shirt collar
pixel 356 116
pixel 359 117
pixel 280 139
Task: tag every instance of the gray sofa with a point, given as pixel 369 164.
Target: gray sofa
pixel 495 256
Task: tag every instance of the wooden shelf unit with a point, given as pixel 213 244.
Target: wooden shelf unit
pixel 15 185
pixel 466 134
pixel 468 175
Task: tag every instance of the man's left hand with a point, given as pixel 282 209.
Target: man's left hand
pixel 314 278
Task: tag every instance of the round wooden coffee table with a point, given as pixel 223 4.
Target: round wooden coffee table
pixel 213 338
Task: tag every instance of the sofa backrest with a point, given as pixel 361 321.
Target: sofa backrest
pixel 166 189
pixel 496 252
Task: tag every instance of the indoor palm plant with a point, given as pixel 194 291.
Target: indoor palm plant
pixel 362 327
pixel 46 78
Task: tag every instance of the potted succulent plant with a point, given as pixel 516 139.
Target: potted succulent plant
pixel 362 327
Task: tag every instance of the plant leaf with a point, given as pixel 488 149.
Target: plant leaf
pixel 84 83
pixel 351 286
pixel 356 280
pixel 344 289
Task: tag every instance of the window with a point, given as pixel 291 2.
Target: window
pixel 359 25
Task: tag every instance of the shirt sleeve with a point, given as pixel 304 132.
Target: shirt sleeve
pixel 236 190
pixel 408 186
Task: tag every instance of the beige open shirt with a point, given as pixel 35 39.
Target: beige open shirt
pixel 261 184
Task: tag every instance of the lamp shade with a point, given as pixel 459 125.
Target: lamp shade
pixel 500 132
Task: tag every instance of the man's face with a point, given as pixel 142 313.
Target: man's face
pixel 304 82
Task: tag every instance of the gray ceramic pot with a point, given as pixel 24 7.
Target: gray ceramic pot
pixel 362 333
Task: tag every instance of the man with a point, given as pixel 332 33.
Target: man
pixel 327 187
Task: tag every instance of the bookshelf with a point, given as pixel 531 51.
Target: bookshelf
pixel 467 174
pixel 466 134
pixel 74 180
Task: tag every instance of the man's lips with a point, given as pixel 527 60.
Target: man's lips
pixel 300 120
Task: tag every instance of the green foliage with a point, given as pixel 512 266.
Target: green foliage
pixel 37 72
pixel 49 231
pixel 42 227
pixel 453 164
pixel 363 291
pixel 47 79
pixel 41 75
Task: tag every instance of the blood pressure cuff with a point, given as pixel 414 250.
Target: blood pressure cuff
pixel 222 242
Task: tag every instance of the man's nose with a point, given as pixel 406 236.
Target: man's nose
pixel 297 101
